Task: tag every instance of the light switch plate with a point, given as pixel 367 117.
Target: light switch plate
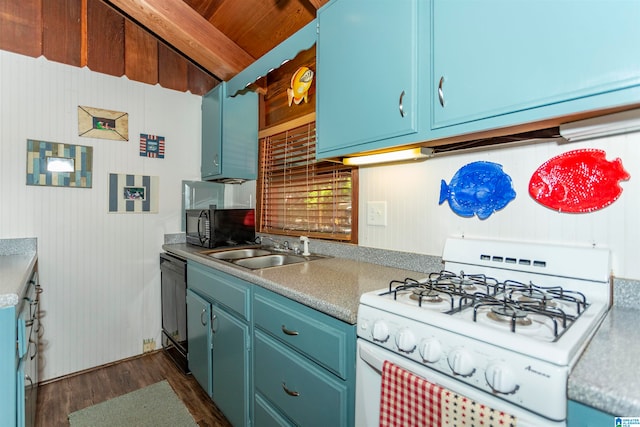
pixel 377 213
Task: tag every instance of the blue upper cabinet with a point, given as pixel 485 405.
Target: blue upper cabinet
pixel 229 135
pixel 371 87
pixel 530 59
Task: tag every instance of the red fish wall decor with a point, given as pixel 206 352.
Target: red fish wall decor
pixel 578 181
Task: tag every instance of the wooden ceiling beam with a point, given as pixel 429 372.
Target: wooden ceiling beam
pixel 187 31
pixel 318 3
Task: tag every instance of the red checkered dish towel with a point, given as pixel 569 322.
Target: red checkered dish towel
pixel 407 400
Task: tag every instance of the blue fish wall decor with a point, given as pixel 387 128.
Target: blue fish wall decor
pixel 478 188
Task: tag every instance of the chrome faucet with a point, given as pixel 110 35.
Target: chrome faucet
pixel 278 246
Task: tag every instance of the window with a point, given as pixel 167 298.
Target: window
pixel 299 195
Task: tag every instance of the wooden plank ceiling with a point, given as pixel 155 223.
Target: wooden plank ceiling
pixel 186 45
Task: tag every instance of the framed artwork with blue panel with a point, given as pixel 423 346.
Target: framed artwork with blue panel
pixel 130 193
pixel 59 165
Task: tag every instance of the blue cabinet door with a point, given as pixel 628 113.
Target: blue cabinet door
pixel 495 57
pixel 367 79
pixel 229 135
pixel 230 366
pixel 211 151
pixel 199 339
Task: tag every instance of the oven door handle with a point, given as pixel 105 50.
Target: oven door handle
pixel 371 359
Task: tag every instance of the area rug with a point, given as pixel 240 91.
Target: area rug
pixel 152 406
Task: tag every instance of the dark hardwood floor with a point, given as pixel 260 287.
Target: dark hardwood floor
pixel 57 399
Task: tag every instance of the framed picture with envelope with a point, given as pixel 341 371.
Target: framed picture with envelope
pixel 105 124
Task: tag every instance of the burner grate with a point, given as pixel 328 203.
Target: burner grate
pixel 507 301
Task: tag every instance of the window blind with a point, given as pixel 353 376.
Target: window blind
pixel 300 195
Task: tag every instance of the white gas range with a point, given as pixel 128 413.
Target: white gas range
pixel 503 323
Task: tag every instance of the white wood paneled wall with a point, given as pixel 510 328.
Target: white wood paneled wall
pixel 416 223
pixel 99 271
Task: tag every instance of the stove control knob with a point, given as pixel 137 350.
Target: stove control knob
pixel 380 331
pixel 461 362
pixel 430 349
pixel 406 341
pixel 501 379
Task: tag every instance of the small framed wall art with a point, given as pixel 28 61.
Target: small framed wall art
pixel 105 124
pixel 59 165
pixel 133 193
pixel 152 146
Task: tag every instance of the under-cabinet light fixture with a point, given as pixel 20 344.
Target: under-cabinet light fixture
pixel 611 124
pixel 391 156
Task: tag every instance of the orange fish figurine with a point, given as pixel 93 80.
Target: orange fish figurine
pixel 300 84
pixel 578 181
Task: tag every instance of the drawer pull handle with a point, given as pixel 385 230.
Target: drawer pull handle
pixel 289 392
pixel 288 331
pixel 400 106
pixel 440 91
pixel 214 317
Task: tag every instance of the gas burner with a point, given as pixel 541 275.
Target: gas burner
pixel 539 299
pixel 506 313
pixel 464 283
pixel 426 295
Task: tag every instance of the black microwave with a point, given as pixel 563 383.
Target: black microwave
pixel 212 228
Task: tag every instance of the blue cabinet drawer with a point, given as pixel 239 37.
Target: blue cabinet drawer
pixel 220 287
pixel 266 416
pixel 322 338
pixel 309 395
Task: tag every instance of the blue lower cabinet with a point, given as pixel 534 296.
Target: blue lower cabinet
pixel 264 359
pixel 307 394
pixel 304 364
pixel 219 339
pixel 19 326
pixel 580 415
pixel 230 366
pixel 199 339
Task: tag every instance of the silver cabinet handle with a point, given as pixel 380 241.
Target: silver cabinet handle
pixel 400 107
pixel 288 331
pixel 213 319
pixel 202 319
pixel 440 92
pixel 289 392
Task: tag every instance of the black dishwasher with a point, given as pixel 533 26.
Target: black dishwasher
pixel 173 285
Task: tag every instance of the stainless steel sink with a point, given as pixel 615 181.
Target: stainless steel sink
pixel 258 258
pixel 239 253
pixel 266 261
